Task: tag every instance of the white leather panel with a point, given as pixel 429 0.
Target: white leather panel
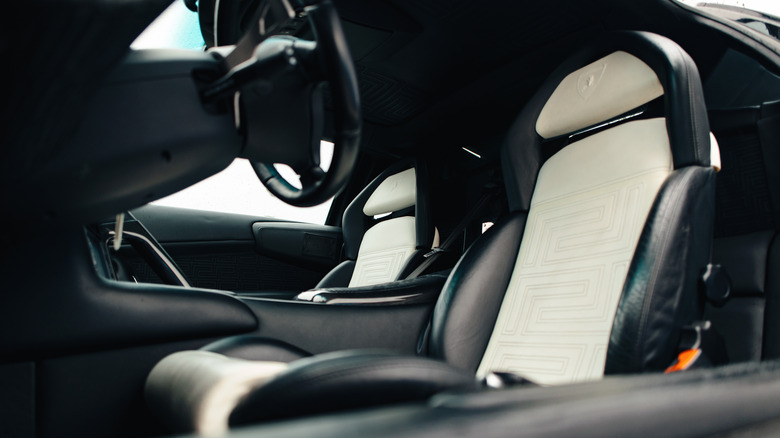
pixel 589 206
pixel 597 93
pixel 714 153
pixel 395 193
pixel 196 391
pixel 384 251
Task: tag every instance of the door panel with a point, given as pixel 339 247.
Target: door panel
pixel 222 250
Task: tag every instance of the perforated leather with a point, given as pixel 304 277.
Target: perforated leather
pixel 587 211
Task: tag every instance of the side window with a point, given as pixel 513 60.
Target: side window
pixel 176 28
pixel 237 190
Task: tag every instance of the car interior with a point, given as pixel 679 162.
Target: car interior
pixel 547 219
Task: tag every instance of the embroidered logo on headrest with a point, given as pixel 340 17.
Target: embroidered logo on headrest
pixel 589 80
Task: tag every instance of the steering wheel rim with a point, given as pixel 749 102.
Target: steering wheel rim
pixel 337 69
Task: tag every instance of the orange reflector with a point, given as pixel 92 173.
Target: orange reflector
pixel 684 360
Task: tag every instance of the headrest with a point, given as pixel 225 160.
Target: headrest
pixel 589 82
pixel 395 193
pixel 598 92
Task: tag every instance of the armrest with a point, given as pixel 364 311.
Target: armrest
pixel 352 379
pixel 420 290
pixel 198 390
pixel 205 392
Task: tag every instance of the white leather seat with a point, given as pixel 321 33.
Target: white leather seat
pixel 387 229
pixel 595 271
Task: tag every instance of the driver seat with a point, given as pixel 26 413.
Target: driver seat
pixel 610 182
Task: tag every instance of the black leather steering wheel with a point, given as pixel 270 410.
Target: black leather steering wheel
pixel 280 82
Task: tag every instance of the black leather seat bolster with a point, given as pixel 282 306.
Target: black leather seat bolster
pixel 338 276
pixel 420 290
pixel 660 294
pixel 252 347
pixel 349 380
pixel 465 315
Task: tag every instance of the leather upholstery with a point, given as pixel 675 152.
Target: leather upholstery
pixel 251 347
pixel 599 91
pixel 369 378
pixel 400 189
pixel 395 193
pixel 458 336
pixel 355 222
pixel 338 276
pixel 660 294
pixel 384 251
pixel 589 204
pixel 684 107
pixel 424 289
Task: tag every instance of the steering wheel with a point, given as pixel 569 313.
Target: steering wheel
pixel 277 87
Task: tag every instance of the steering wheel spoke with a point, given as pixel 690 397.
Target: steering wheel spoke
pixel 281 113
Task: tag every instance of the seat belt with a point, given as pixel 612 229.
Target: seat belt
pixel 454 236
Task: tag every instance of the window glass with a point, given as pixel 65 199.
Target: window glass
pixel 237 190
pixel 176 28
pixel 762 16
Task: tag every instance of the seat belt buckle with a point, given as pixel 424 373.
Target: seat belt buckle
pixel 433 251
pixel 691 355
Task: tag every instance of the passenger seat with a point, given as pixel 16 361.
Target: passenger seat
pixel 387 229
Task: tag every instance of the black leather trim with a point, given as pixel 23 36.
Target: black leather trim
pixel 320 329
pixel 424 217
pixel 355 223
pixel 75 310
pixel 349 380
pixel 339 276
pixel 701 403
pixel 466 312
pixel 661 290
pixel 684 108
pixel 252 347
pixel 419 290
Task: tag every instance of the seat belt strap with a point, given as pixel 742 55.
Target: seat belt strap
pixel 454 236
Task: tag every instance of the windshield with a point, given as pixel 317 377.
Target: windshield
pixel 760 15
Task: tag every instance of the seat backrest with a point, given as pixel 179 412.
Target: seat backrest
pixel 609 180
pixel 387 229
